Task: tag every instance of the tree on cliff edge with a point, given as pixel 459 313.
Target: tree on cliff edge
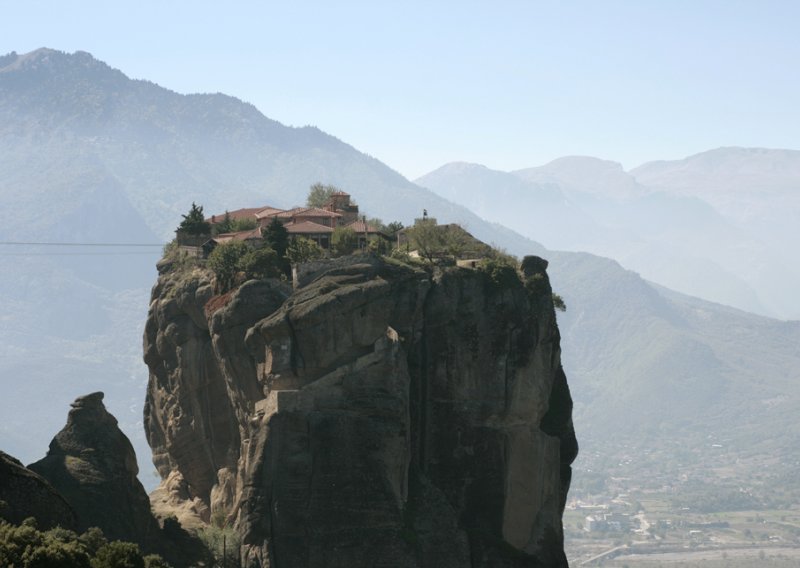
pixel 433 241
pixel 194 222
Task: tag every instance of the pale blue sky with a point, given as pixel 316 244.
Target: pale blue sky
pixel 506 84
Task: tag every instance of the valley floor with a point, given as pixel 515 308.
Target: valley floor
pixel 655 536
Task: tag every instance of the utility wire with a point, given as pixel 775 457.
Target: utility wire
pixel 52 244
pixel 110 253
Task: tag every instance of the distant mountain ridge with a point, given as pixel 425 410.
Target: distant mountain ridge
pixel 719 225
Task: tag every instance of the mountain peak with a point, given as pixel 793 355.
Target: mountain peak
pixel 729 167
pixel 582 163
pixel 47 59
pixel 455 168
pixel 586 174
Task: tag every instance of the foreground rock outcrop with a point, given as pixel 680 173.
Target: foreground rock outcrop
pixel 91 463
pixel 88 479
pixel 380 414
pixel 24 494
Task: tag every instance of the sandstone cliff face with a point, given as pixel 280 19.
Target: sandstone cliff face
pixel 91 463
pixel 379 415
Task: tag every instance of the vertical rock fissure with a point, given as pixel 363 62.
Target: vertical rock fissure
pixel 423 407
pixel 295 359
pixel 506 368
pixel 207 414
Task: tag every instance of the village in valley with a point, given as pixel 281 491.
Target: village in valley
pixel 622 513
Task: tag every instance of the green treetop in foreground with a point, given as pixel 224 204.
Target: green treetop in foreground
pixel 25 546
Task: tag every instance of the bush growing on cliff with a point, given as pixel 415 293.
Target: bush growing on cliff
pixel 302 249
pixel 230 259
pixel 260 263
pixel 224 262
pixel 501 270
pixel 538 286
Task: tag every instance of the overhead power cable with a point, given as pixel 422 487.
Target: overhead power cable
pixel 53 244
pixel 109 253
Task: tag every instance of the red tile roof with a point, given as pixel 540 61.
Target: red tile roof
pixel 317 212
pixel 362 227
pixel 240 236
pixel 306 227
pixel 248 213
pixel 268 212
pixel 308 212
pixel 302 212
pixel 289 213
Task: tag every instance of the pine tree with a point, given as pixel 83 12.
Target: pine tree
pixel 277 237
pixel 194 222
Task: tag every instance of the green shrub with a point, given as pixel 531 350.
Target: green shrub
pixel 25 546
pixel 502 270
pixel 155 561
pixel 55 554
pixel 93 539
pixel 229 225
pixel 224 262
pixel 344 241
pixel 223 542
pixel 260 263
pixel 118 554
pixel 302 249
pixel 379 245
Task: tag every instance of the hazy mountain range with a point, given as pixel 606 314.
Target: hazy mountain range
pixel 721 225
pixel 88 155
